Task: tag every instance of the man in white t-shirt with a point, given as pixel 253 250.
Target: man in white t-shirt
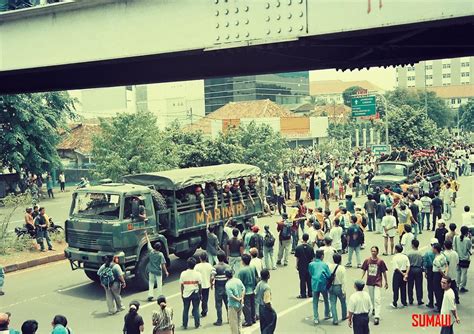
pixel 191 285
pixel 336 234
pixel 205 269
pixel 407 238
pixel 448 306
pixel 328 250
pixel 468 218
pixel 359 308
pixel 401 269
pixel 426 209
pixel 453 260
pixel 389 226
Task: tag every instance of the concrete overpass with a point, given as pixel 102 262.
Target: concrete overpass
pixel 97 43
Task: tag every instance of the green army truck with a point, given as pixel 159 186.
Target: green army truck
pixel 102 220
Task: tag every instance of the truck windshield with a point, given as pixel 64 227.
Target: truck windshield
pixel 96 205
pixel 392 169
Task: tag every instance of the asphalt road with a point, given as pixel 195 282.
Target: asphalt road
pixel 57 208
pixel 40 293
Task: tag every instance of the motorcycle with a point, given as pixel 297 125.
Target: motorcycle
pixel 29 231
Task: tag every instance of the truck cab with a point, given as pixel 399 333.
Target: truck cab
pixel 101 222
pixel 392 173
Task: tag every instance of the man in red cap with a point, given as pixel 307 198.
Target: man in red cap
pixel 256 241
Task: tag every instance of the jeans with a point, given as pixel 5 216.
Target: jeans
pixel 374 293
pixel 152 278
pixel 112 296
pixel 429 285
pixel 305 283
pixel 212 259
pixel 283 251
pixel 268 258
pixel 357 251
pixel 234 263
pixel 281 204
pixel 316 294
pixel 371 221
pixel 335 292
pixel 399 287
pixel 415 279
pixel 448 210
pixel 194 299
pixel 268 319
pixel 62 186
pixel 447 330
pixel 427 216
pixel 43 234
pixel 294 239
pixel 298 192
pixel 204 300
pixel 437 290
pixel 436 215
pixel 235 322
pixel 462 277
pixel 360 323
pixel 249 308
pixel 220 297
pixel 378 225
pixel 50 193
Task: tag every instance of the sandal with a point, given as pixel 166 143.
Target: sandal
pixel 384 254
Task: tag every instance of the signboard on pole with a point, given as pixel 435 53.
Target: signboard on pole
pixel 379 149
pixel 363 106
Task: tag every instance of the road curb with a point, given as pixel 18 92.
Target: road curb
pixel 33 263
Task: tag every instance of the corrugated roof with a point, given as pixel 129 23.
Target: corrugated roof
pixel 336 113
pixel 447 92
pixel 79 138
pixel 324 87
pixel 239 110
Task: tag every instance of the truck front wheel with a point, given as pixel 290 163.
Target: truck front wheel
pixel 141 272
pixel 92 275
pixel 186 254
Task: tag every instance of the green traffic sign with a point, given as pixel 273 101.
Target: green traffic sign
pixel 363 106
pixel 379 149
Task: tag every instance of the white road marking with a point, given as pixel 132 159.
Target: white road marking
pixel 280 314
pixel 75 286
pixel 167 298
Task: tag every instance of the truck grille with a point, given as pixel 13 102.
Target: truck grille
pixel 90 240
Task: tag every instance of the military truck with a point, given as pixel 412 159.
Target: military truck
pixel 102 220
pixel 393 173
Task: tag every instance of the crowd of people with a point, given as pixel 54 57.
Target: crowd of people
pixel 323 242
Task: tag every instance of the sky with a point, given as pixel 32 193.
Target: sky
pixel 385 78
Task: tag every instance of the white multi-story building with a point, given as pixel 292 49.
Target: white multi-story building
pixel 182 101
pixel 437 73
pixel 450 79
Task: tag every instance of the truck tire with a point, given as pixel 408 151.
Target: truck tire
pixel 159 201
pixel 141 272
pixel 186 254
pixel 92 275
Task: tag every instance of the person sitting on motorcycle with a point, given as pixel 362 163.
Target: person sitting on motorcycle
pixel 29 222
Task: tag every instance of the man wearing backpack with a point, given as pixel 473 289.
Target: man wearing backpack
pixel 112 279
pixel 256 241
pixel 268 244
pixel 284 228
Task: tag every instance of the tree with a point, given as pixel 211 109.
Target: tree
pixel 190 149
pixel 437 109
pixel 129 144
pixel 466 116
pixel 347 94
pixel 29 129
pixel 412 128
pixel 262 147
